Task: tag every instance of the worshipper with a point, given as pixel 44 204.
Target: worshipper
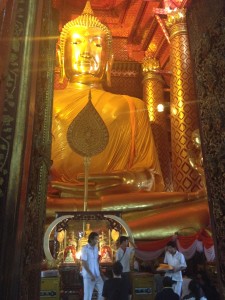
pixel 123 255
pixel 158 280
pixel 167 292
pixel 205 283
pixel 176 260
pixel 186 280
pixel 90 268
pixel 196 292
pixel 116 288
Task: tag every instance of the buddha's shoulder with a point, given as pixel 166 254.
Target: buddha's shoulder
pixel 96 95
pixel 68 91
pixel 121 98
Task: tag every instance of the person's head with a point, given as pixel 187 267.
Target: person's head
pixel 86 48
pixel 168 282
pixel 123 240
pixel 117 268
pixel 194 288
pixel 93 238
pixel 171 247
pixel 202 278
pixel 186 273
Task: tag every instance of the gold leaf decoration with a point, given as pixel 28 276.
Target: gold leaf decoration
pixel 87 134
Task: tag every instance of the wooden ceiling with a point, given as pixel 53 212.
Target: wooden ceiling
pixel 138 26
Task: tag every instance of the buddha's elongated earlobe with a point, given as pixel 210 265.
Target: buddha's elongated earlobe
pixel 60 62
pixel 108 70
pixel 62 70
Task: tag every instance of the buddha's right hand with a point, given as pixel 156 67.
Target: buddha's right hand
pixel 108 183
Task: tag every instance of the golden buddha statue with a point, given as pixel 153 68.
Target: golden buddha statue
pixel 130 161
pixel 126 176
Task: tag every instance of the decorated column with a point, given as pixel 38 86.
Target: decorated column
pixel 26 99
pixel 206 23
pixel 153 94
pixel 184 119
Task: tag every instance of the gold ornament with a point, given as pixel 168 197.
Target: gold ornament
pixel 150 64
pixel 115 235
pixel 60 236
pixel 88 135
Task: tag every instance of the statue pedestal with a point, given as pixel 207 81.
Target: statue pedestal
pixel 71 282
pixel 50 286
pixel 143 286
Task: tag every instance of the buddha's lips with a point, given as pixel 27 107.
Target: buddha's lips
pixel 85 64
pixel 87 59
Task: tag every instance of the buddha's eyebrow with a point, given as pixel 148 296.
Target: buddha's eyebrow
pixel 97 36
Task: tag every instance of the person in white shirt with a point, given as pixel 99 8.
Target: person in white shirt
pixel 123 255
pixel 177 261
pixel 90 268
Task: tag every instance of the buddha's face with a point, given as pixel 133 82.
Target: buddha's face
pixel 86 54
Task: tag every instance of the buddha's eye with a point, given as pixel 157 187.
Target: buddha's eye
pixel 77 42
pixel 98 45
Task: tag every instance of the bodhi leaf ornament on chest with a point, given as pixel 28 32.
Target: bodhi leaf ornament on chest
pixel 87 134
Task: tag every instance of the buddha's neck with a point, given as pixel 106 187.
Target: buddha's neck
pixel 84 86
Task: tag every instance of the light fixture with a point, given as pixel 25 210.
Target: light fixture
pixel 160 107
pixel 163 106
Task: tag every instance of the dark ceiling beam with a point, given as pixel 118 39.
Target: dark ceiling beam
pixel 134 31
pixel 152 29
pixel 125 12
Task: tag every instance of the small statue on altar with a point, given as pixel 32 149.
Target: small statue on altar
pixel 106 254
pixel 70 258
pixel 70 252
pixel 72 239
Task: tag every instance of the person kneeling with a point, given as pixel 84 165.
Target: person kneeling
pixel 116 288
pixel 167 291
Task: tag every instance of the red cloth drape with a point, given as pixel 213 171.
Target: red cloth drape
pixel 185 241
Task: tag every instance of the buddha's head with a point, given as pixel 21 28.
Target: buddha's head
pixel 86 49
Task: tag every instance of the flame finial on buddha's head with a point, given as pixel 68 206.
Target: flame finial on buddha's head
pixel 88 10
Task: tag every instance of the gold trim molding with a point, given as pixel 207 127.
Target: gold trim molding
pixel 176 22
pixel 150 64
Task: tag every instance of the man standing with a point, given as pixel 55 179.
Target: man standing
pixel 123 255
pixel 177 261
pixel 90 268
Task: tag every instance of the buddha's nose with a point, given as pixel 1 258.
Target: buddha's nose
pixel 86 54
pixel 86 51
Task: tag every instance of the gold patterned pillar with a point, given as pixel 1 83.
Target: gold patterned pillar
pixel 25 139
pixel 153 95
pixel 183 107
